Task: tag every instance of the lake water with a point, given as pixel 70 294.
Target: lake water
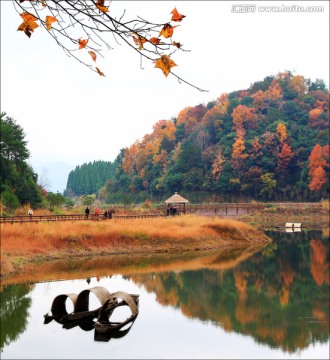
pixel 273 305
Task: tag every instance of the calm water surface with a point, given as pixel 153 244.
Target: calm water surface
pixel 274 305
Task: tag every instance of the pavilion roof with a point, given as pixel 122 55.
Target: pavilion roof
pixel 176 199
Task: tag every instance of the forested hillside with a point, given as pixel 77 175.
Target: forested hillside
pixel 267 142
pixel 88 178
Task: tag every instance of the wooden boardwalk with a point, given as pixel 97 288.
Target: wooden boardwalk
pixel 72 217
pixel 221 211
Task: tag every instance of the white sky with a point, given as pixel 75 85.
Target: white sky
pixel 71 114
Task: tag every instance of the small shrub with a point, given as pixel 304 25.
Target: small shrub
pixel 58 211
pixel 147 205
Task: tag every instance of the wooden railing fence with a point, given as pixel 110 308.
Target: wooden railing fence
pixel 227 210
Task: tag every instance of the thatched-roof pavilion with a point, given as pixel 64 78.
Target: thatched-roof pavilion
pixel 176 200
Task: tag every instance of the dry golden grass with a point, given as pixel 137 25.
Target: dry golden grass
pixel 325 204
pixel 180 233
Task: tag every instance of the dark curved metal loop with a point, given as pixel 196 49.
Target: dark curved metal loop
pixel 82 303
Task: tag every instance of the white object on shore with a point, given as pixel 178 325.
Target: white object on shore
pixel 293 225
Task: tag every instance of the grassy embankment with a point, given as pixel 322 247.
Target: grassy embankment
pixel 24 243
pixel 275 215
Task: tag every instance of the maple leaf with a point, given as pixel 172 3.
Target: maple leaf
pixel 28 27
pixel 49 21
pixel 104 9
pixel 28 17
pixel 165 64
pixel 43 3
pixel 100 72
pixel 29 24
pixel 82 43
pixel 178 45
pixel 139 41
pixel 92 54
pixel 100 5
pixel 167 30
pixel 176 16
pixel 154 40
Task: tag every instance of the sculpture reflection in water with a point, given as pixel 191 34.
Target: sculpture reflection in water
pixel 104 329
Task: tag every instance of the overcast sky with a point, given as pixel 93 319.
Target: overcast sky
pixel 71 114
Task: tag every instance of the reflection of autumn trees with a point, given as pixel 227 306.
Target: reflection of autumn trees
pixel 319 262
pixel 13 312
pixel 280 297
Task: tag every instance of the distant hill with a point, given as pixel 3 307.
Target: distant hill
pixel 267 142
pixel 88 178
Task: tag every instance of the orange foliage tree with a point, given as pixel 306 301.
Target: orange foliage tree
pixel 318 179
pixel 298 83
pixel 256 149
pixel 238 156
pixel 244 116
pixel 318 161
pixel 281 132
pixel 261 99
pixel 80 24
pixel 318 118
pixel 284 157
pixel 191 116
pixel 285 153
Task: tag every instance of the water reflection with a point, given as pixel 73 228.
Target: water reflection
pixel 279 297
pixel 13 312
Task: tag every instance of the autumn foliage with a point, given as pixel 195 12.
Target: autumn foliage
pixel 318 162
pixel 93 19
pixel 232 146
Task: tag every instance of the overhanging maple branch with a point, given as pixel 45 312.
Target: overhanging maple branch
pixel 77 17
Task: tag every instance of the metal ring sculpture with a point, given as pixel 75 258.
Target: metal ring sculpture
pixel 84 318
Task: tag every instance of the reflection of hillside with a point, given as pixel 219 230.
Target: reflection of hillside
pixel 280 296
pixel 13 312
pixel 126 264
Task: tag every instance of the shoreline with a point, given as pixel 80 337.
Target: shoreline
pixel 49 268
pixel 146 237
pixel 24 244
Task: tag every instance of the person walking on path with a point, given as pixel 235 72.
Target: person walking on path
pixel 30 213
pixel 96 212
pixel 87 212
